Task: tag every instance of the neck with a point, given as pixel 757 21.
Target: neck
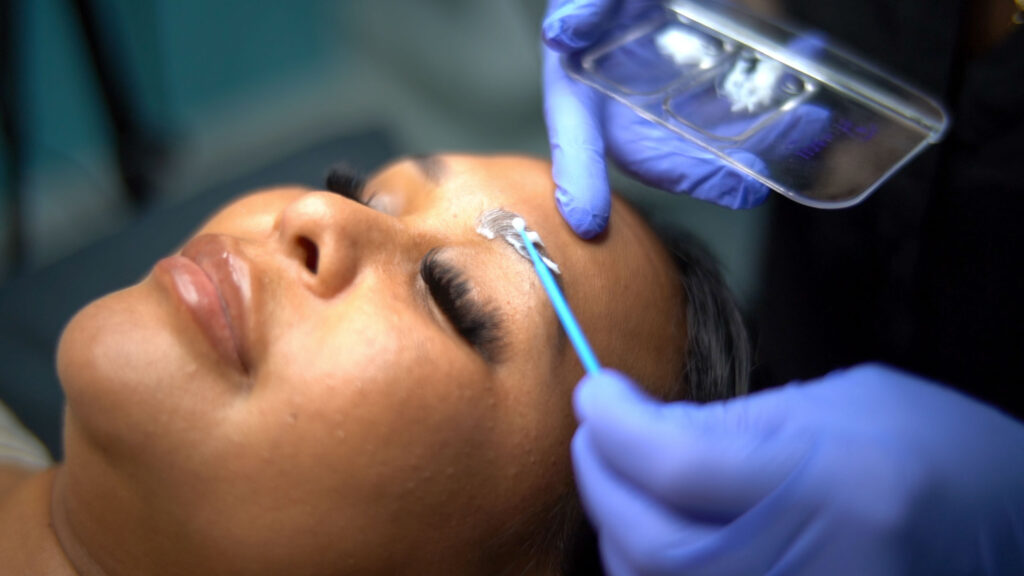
pixel 28 543
pixel 71 546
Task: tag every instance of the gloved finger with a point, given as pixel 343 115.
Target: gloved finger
pixel 614 561
pixel 792 130
pixel 658 157
pixel 722 554
pixel 577 149
pixel 649 537
pixel 803 124
pixel 710 462
pixel 574 24
pixel 640 536
pixel 809 44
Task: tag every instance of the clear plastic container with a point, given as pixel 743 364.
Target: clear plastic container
pixel 811 122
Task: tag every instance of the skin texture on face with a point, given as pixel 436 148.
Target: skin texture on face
pixel 340 421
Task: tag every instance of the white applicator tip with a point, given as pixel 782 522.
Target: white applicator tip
pixel 519 224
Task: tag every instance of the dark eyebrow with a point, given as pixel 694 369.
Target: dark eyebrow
pixel 431 166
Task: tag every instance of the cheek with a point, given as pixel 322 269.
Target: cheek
pixel 373 410
pixel 373 429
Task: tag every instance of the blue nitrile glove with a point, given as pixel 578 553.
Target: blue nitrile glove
pixel 583 125
pixel 864 471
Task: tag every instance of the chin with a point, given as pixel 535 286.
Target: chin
pixel 116 358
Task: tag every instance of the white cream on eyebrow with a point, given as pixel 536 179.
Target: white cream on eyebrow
pixel 497 223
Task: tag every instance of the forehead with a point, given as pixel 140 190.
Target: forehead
pixel 471 182
pixel 622 286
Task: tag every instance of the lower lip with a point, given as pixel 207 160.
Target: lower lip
pixel 194 289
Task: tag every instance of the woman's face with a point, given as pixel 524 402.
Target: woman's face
pixel 297 390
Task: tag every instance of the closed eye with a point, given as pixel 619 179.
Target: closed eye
pixel 347 181
pixel 451 291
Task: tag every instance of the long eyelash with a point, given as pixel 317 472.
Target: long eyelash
pixel 347 181
pixel 450 290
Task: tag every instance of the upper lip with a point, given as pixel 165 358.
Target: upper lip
pixel 222 261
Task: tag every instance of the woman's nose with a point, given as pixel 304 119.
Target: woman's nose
pixel 330 238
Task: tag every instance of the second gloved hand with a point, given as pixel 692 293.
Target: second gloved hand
pixel 865 471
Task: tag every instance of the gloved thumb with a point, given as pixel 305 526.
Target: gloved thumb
pixel 578 167
pixel 712 461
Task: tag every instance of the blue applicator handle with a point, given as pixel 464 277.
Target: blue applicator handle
pixel 562 310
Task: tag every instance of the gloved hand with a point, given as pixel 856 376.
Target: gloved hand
pixel 865 471
pixel 583 125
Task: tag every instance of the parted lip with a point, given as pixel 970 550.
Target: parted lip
pixel 212 278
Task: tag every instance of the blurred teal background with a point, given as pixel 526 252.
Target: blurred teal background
pixel 223 87
pixel 203 99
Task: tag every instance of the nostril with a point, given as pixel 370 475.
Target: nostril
pixel 310 253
